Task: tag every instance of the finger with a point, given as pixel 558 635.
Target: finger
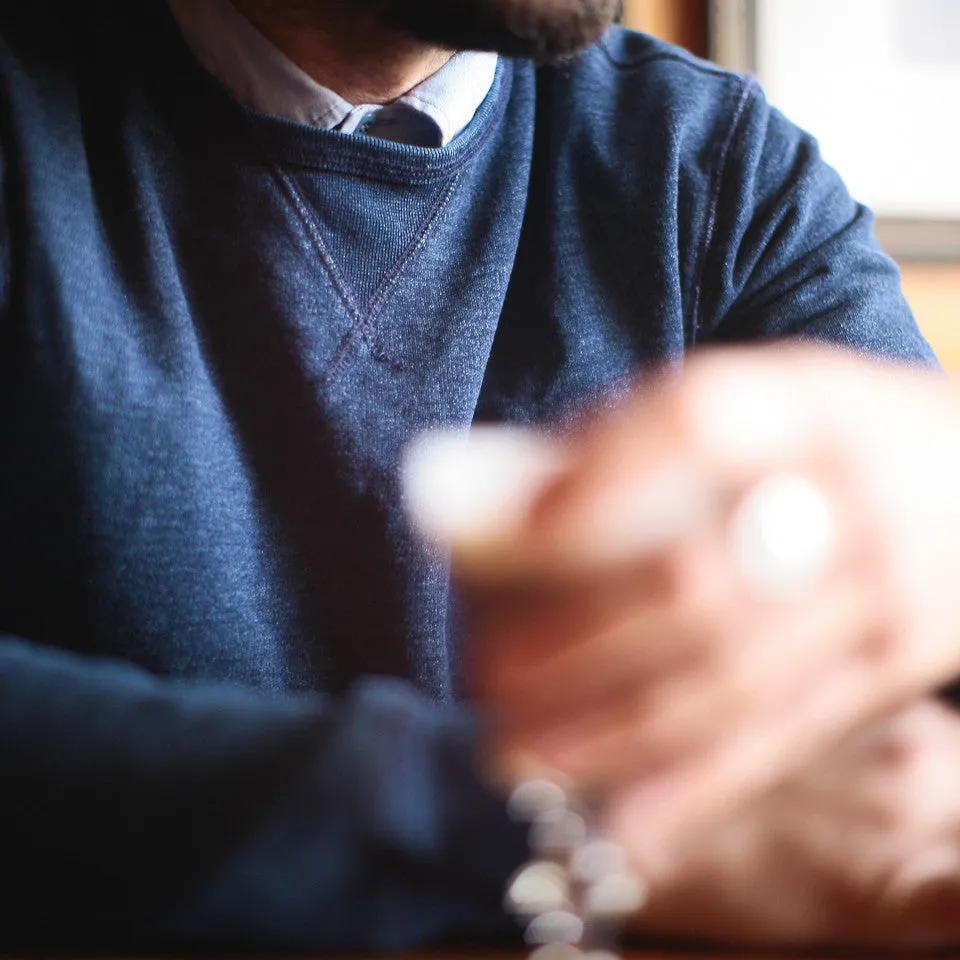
pixel 582 644
pixel 664 726
pixel 919 902
pixel 599 646
pixel 508 503
pixel 730 772
pixel 654 473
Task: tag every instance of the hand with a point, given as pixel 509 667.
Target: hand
pixel 863 848
pixel 623 649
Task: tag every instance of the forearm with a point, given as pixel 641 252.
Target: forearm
pixel 141 813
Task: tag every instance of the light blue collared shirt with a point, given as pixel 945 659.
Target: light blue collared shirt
pixel 263 77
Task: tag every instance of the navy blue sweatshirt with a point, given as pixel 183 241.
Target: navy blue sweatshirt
pixel 229 682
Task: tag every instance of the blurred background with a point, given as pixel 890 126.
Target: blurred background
pixel 878 82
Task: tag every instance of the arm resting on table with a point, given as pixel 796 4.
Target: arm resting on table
pixel 140 812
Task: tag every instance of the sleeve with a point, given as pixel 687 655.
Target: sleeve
pixel 143 814
pixel 789 253
pixel 140 813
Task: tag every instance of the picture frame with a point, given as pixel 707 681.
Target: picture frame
pixel 878 83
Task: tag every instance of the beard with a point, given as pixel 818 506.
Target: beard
pixel 547 31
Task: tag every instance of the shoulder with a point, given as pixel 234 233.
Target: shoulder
pixel 61 61
pixel 42 31
pixel 625 59
pixel 629 85
pixel 43 39
pixel 633 109
pixel 42 50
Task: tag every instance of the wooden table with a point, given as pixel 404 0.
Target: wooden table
pixel 633 954
pixel 766 954
pixel 704 954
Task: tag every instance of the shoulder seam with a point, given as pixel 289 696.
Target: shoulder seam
pixel 685 60
pixel 747 94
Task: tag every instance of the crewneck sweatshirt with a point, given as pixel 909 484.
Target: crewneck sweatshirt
pixel 231 705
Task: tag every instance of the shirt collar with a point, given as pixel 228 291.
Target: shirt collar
pixel 263 77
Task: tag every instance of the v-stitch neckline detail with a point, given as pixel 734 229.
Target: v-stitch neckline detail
pixel 363 313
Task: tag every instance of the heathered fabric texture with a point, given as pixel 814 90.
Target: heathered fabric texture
pixel 218 331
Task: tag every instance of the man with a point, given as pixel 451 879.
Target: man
pixel 233 289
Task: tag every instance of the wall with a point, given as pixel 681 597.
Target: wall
pixel 934 293
pixel 932 289
pixel 683 22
